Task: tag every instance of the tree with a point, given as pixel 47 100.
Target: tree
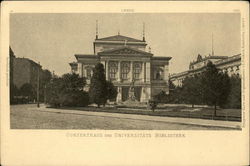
pixel 45 78
pixel 98 86
pixel 234 100
pixel 111 91
pixel 72 82
pixel 67 91
pixel 192 90
pixel 27 90
pixel 215 85
pixel 171 85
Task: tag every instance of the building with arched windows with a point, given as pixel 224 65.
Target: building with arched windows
pixel 230 65
pixel 126 62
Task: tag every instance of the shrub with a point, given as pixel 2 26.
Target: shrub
pixel 152 104
pixel 76 98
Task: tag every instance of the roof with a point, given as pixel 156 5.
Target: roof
pixel 28 60
pixel 161 58
pixel 125 51
pixel 200 59
pixel 119 38
pixel 86 56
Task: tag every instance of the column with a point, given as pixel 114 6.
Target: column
pixel 131 71
pixel 166 72
pixel 143 95
pixel 148 72
pixel 83 71
pixel 119 94
pixel 79 70
pixel 119 71
pixel 107 69
pixel 143 71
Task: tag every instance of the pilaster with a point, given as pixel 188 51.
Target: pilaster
pixel 131 71
pixel 119 71
pixel 148 72
pixel 79 69
pixel 166 72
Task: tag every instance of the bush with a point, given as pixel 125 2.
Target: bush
pixel 76 98
pixel 152 104
pixel 67 91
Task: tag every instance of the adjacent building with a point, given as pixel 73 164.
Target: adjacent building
pixel 23 70
pixel 126 62
pixel 230 65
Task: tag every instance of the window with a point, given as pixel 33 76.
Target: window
pixel 124 70
pixel 137 70
pixel 88 71
pixel 158 74
pixel 112 70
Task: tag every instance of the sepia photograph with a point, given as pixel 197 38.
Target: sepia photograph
pixel 124 83
pixel 140 71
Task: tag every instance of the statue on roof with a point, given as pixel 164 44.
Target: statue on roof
pixel 199 58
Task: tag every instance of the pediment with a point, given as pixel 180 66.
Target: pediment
pixel 125 51
pixel 119 38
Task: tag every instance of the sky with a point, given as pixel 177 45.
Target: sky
pixel 53 39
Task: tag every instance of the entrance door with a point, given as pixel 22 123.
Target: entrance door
pixel 138 93
pixel 125 93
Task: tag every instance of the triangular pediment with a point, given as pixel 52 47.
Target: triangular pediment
pixel 119 38
pixel 125 51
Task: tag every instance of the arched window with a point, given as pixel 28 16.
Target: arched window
pixel 112 70
pixel 158 74
pixel 124 70
pixel 137 70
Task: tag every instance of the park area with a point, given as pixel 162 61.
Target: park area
pixel 170 110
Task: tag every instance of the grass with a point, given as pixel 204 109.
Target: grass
pixel 170 111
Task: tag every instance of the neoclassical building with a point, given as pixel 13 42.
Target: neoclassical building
pixel 230 65
pixel 126 62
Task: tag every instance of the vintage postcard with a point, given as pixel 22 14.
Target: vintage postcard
pixel 124 83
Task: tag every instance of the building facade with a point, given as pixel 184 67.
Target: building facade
pixel 23 70
pixel 126 63
pixel 230 65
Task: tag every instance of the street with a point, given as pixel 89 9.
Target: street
pixel 29 117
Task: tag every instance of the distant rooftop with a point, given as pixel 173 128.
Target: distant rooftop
pixel 200 58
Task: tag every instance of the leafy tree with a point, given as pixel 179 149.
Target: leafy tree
pixel 27 90
pixel 171 85
pixel 215 85
pixel 72 82
pixel 234 100
pixel 53 91
pixel 192 90
pixel 67 91
pixel 111 91
pixel 98 86
pixel 161 97
pixel 45 78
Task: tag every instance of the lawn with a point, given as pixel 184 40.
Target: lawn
pixel 170 111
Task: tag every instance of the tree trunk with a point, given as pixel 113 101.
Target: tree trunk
pixel 192 105
pixel 98 105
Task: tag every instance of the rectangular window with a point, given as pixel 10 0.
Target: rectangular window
pixel 124 70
